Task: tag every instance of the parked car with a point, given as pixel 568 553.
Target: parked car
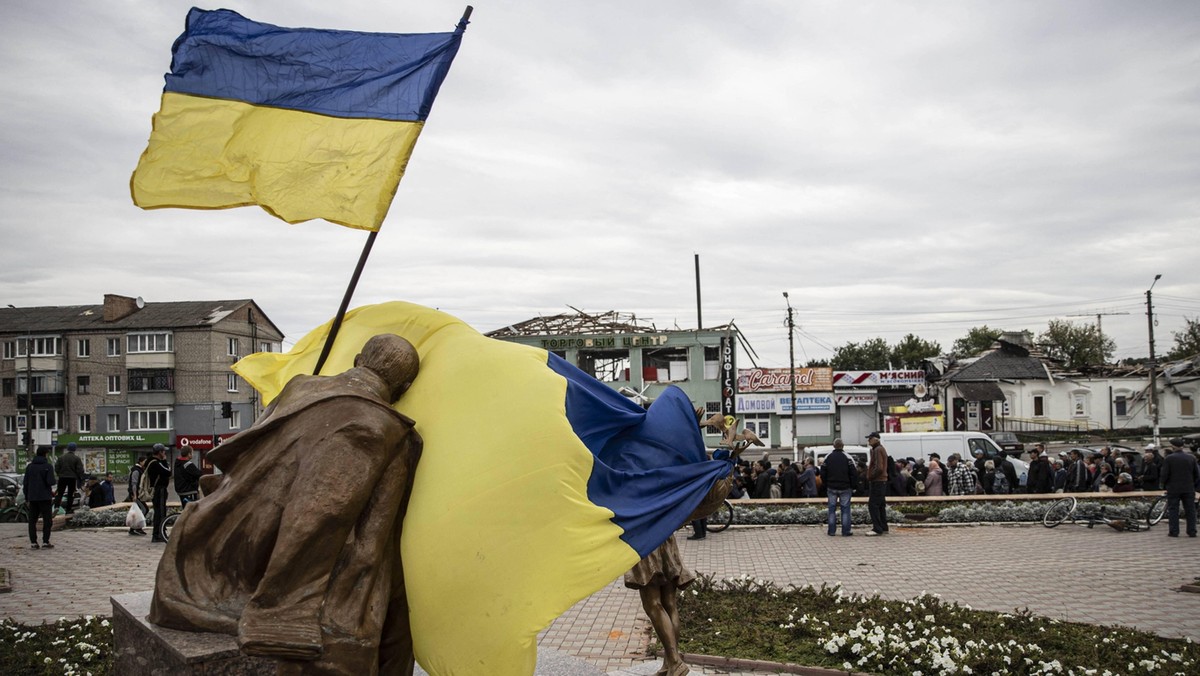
pixel 1008 442
pixel 1191 441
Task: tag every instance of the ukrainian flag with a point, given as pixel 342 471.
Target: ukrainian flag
pixel 305 123
pixel 537 486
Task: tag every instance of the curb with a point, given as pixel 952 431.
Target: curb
pixel 739 664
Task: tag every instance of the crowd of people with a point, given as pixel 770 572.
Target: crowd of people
pixel 51 488
pixel 1104 471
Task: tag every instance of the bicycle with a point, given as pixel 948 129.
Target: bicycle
pixel 722 518
pixel 1064 509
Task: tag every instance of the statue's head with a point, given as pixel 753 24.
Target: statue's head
pixel 393 358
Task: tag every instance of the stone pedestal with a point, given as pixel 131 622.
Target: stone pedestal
pixel 144 649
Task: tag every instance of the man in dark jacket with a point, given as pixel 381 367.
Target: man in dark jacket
pixel 789 486
pixel 1004 466
pixel 877 476
pixel 69 469
pixel 39 493
pixel 1180 474
pixel 839 477
pixel 159 474
pixel 187 477
pixel 1041 474
pixel 1078 478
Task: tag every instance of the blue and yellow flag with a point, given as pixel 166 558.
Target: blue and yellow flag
pixel 305 123
pixel 537 486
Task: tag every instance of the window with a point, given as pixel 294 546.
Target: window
pixel 712 363
pixel 1079 405
pixel 1039 405
pixel 114 347
pixel 10 349
pixel 151 380
pixel 38 384
pixel 10 387
pixel 235 420
pixel 266 346
pixel 665 364
pixel 231 382
pixel 85 423
pixel 605 365
pixel 711 407
pixel 10 424
pixel 233 347
pixel 1187 405
pixel 150 419
pixel 114 422
pixel 150 342
pixel 114 384
pixel 83 384
pixel 83 347
pixel 1121 406
pixel 48 419
pixel 42 346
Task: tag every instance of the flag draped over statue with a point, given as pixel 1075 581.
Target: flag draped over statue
pixel 305 123
pixel 537 485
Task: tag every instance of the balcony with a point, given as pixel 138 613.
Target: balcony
pixel 151 398
pixel 44 400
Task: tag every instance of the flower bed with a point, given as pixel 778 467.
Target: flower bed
pixel 753 619
pixel 991 511
pixel 78 647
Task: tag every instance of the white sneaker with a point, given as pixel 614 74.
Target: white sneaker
pixel 871 533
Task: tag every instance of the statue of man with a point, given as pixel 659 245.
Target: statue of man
pixel 297 549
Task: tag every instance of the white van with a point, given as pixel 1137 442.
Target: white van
pixel 921 444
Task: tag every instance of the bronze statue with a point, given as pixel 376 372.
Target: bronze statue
pixel 660 575
pixel 297 549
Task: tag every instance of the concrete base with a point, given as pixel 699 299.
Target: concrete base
pixel 144 649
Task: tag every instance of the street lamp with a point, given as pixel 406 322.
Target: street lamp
pixel 792 368
pixel 1153 362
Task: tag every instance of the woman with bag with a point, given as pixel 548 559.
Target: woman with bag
pixel 135 483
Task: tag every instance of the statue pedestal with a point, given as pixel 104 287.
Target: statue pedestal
pixel 144 649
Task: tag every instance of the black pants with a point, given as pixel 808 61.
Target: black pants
pixel 160 512
pixel 42 509
pixel 877 506
pixel 1189 511
pixel 66 486
pixel 700 528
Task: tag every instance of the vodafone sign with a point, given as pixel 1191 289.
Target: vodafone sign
pixel 198 442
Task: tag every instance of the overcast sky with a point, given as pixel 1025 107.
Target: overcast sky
pixel 897 167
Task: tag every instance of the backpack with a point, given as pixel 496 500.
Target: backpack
pixel 1000 483
pixel 145 490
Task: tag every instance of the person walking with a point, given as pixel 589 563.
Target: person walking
pixel 69 469
pixel 38 484
pixel 1180 476
pixel 159 474
pixel 839 475
pixel 877 475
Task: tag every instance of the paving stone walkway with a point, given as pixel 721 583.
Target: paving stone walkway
pixel 1000 568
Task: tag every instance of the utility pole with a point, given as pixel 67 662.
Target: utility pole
pixel 792 366
pixel 1153 362
pixel 1099 326
pixel 29 444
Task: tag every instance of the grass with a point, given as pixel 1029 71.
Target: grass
pixel 78 647
pixel 753 619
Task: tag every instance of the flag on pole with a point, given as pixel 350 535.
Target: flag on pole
pixel 537 484
pixel 305 123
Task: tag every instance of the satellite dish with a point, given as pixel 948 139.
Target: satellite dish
pixel 139 302
pixel 919 390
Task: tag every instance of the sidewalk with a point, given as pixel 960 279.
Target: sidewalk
pixel 1001 568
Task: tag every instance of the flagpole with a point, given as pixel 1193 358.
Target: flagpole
pixel 362 260
pixel 341 313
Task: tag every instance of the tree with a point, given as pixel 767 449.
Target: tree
pixel 978 339
pixel 817 363
pixel 1076 345
pixel 1187 341
pixel 872 355
pixel 911 350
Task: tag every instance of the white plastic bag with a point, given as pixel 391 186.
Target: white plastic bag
pixel 135 518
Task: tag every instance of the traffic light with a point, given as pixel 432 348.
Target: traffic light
pixel 26 438
pixel 227 409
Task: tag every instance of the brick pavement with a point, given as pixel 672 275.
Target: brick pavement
pixel 1025 566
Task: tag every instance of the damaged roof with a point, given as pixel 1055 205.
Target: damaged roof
pixel 162 315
